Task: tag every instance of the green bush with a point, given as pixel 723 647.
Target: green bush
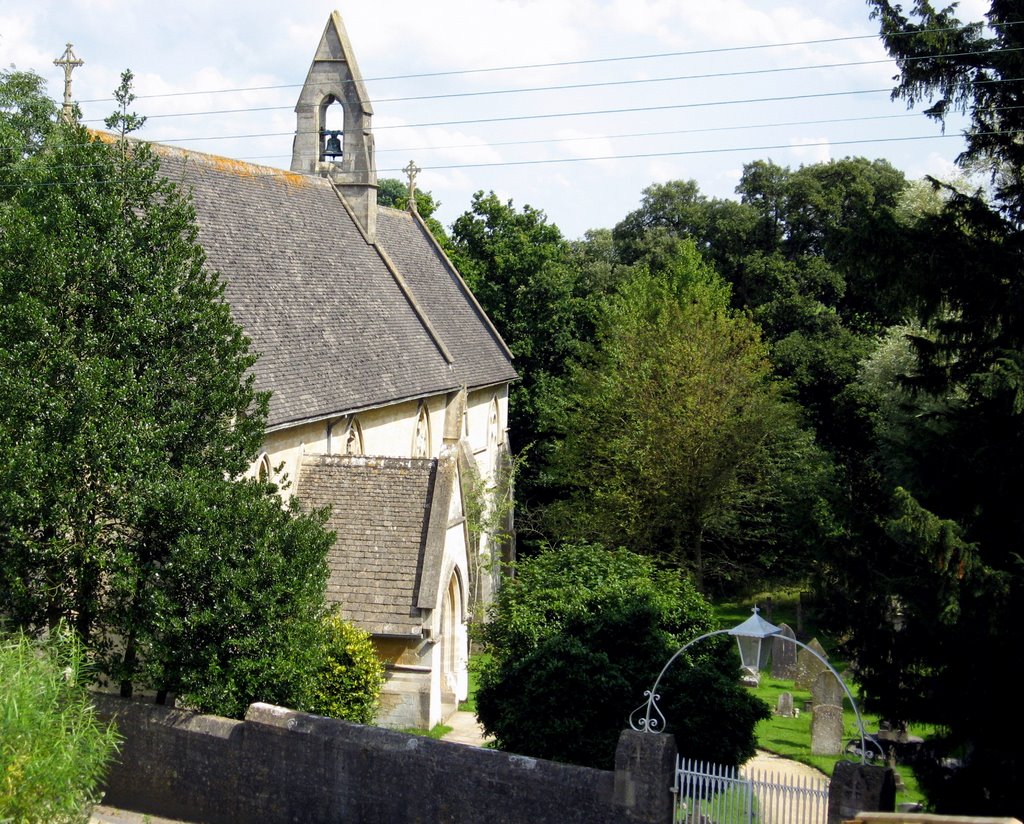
pixel 348 681
pixel 53 751
pixel 575 640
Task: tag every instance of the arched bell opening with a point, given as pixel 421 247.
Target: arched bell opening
pixel 332 130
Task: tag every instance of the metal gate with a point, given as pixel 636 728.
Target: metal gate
pixel 713 794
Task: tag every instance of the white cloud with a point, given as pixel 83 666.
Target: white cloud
pixel 811 150
pixel 199 46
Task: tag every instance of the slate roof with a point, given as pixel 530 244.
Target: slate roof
pixel 334 331
pixel 380 508
pixel 480 354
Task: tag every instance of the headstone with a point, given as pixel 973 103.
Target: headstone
pixel 808 665
pixel 826 730
pixel 826 690
pixel 785 705
pixel 784 654
pixel 858 788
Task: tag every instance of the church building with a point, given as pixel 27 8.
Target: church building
pixel 389 383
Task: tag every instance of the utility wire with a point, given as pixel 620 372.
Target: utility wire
pixel 547 115
pixel 625 135
pixel 563 63
pixel 254 135
pixel 737 127
pixel 268 172
pixel 591 85
pixel 681 153
pixel 632 110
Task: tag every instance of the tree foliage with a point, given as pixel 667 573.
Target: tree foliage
pixel 577 637
pixel 806 252
pixel 395 194
pixel 127 408
pixel 517 264
pixel 943 402
pixel 349 675
pixel 675 439
pixel 26 118
pixel 53 750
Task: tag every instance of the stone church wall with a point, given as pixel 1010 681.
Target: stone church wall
pixel 284 766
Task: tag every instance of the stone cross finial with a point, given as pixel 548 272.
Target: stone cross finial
pixel 69 62
pixel 412 170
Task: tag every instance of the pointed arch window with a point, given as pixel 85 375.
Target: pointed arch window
pixel 352 442
pixel 332 130
pixel 494 426
pixel 421 438
pixel 264 472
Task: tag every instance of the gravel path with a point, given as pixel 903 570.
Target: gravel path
pixel 790 808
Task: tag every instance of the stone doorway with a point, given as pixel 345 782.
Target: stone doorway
pixel 454 648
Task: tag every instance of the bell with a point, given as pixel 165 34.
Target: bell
pixel 333 148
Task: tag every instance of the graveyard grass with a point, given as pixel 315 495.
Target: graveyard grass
pixel 787 737
pixel 791 737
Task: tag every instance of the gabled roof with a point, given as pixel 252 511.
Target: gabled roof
pixel 334 328
pixel 380 511
pixel 480 355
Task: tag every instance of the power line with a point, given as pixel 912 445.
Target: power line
pixel 632 110
pixel 591 85
pixel 549 115
pixel 561 63
pixel 268 172
pixel 547 140
pixel 536 141
pixel 681 153
pixel 254 135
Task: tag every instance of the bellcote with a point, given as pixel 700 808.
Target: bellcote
pixel 333 136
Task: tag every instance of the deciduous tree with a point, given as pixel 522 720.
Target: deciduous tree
pixel 577 637
pixel 127 411
pixel 676 440
pixel 934 619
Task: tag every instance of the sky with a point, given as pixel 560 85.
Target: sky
pixel 569 106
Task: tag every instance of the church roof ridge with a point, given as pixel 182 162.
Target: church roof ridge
pixel 243 168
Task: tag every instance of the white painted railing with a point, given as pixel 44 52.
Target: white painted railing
pixel 713 794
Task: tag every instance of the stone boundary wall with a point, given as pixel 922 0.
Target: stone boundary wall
pixel 283 766
pixel 926 818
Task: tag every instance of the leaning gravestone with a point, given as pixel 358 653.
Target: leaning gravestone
pixel 808 666
pixel 784 654
pixel 826 730
pixel 785 705
pixel 826 690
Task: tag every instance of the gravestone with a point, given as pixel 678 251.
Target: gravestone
pixel 858 788
pixel 826 690
pixel 826 730
pixel 785 705
pixel 808 666
pixel 784 654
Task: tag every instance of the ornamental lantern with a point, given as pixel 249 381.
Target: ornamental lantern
pixel 750 637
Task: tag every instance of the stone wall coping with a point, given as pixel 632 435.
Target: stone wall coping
pixel 928 818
